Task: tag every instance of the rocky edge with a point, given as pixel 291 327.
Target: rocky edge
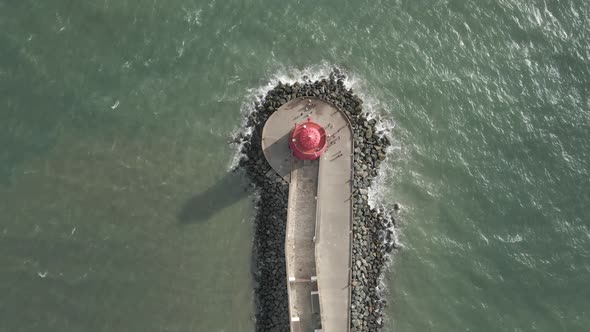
pixel 373 235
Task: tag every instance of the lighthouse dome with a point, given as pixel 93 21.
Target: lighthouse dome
pixel 309 138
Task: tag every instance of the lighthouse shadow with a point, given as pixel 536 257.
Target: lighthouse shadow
pixel 281 156
pixel 204 205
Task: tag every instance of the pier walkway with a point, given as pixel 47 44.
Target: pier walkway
pixel 319 220
pixel 301 267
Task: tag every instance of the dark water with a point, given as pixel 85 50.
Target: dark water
pixel 117 212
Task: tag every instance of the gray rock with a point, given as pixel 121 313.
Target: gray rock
pixel 371 240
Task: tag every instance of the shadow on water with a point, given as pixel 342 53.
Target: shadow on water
pixel 223 193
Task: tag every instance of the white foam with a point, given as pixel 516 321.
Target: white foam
pixel 509 238
pixel 371 105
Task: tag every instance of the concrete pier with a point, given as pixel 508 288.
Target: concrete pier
pixel 319 221
pixel 301 266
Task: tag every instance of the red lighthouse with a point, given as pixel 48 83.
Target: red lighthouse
pixel 308 140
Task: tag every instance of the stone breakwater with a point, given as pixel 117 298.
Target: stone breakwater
pixel 373 235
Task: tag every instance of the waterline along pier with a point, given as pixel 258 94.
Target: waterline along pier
pixel 309 143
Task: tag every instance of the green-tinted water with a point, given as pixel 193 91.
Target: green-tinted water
pixel 117 214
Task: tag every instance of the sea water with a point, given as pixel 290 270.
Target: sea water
pixel 114 122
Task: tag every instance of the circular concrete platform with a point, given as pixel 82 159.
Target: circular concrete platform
pixel 275 134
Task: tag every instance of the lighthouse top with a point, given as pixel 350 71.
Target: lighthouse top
pixel 309 137
pixel 308 140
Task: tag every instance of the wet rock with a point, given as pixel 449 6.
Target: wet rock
pixel 372 237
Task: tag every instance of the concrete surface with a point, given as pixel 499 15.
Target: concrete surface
pixel 334 220
pixel 299 245
pixel 329 219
